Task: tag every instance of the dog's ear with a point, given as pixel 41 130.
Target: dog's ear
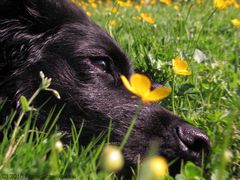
pixel 25 18
pixel 43 13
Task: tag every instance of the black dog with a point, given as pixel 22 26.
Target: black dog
pixel 57 37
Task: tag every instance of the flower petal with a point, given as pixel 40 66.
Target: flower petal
pixel 178 63
pixel 180 66
pixel 182 72
pixel 236 22
pixel 126 83
pixel 141 84
pixel 158 94
pixel 174 61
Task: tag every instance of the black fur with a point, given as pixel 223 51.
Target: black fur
pixel 57 37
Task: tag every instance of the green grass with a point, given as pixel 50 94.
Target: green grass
pixel 209 98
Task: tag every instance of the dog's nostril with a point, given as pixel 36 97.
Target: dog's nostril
pixel 193 138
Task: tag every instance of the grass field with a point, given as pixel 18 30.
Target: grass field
pixel 152 34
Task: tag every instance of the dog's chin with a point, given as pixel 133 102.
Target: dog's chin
pixel 175 168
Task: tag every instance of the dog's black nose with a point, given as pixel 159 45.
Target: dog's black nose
pixel 192 140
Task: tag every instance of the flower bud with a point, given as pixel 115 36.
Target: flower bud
pixel 42 76
pixel 59 146
pixel 56 94
pixel 228 155
pixel 111 159
pixel 155 168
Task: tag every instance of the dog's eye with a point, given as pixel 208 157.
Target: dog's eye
pixel 105 64
pixel 102 65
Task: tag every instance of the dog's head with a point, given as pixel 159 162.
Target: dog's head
pixel 56 37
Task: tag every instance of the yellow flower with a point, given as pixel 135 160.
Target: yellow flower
pixel 138 7
pixel 92 3
pixel 111 159
pixel 176 7
pixel 222 4
pixel 140 85
pixel 153 2
pixel 113 22
pixel 124 4
pixel 147 17
pixel 114 10
pixel 237 5
pixel 156 168
pixel 167 2
pixel 236 22
pixel 180 66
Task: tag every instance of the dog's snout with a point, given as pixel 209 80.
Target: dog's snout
pixel 192 139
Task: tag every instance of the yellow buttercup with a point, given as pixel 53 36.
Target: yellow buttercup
pixel 140 85
pixel 180 67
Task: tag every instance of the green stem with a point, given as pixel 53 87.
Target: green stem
pixel 225 146
pixel 12 146
pixel 139 107
pixel 34 95
pixel 16 127
pixel 173 93
pixel 202 28
pixel 15 131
